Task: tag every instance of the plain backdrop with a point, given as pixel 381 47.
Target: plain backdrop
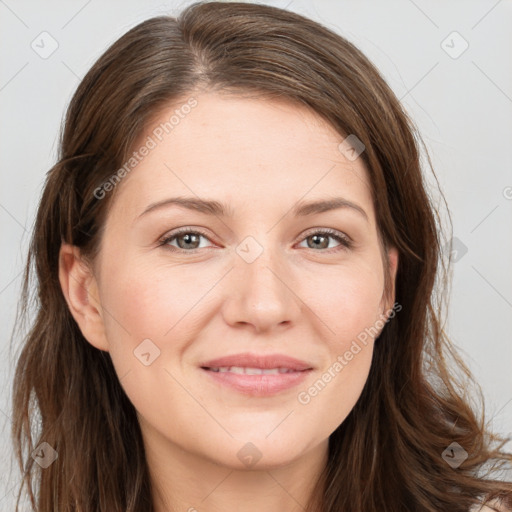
pixel 450 63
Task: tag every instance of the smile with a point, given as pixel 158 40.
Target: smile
pixel 256 382
pixel 251 371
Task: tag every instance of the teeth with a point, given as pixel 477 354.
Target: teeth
pixel 251 371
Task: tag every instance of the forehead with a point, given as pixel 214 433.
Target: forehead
pixel 242 151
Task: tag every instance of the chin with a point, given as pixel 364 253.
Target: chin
pixel 258 453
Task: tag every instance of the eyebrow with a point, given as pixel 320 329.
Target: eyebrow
pixel 211 207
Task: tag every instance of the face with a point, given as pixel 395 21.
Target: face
pixel 267 276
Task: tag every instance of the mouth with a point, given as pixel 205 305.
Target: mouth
pixel 250 361
pixel 256 382
pixel 243 370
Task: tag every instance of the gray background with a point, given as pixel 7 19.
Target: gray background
pixel 462 105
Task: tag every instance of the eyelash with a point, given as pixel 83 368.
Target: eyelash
pixel 345 242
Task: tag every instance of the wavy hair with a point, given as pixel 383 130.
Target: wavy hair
pixel 387 454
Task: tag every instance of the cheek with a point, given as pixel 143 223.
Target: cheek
pixel 153 314
pixel 149 312
pixel 146 301
pixel 349 305
pixel 346 298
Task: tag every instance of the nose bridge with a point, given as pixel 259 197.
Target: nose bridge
pixel 259 265
pixel 262 296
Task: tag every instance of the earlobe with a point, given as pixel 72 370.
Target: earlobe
pixel 80 290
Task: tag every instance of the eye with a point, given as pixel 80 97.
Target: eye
pixel 188 240
pixel 320 240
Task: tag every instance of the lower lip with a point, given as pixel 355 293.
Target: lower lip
pixel 259 385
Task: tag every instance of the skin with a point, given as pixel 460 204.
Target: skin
pixel 259 157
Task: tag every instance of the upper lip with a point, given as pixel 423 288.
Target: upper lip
pixel 262 361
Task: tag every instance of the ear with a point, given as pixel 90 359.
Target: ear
pixel 80 290
pixel 389 297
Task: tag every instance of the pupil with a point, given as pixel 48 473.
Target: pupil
pixel 316 237
pixel 187 239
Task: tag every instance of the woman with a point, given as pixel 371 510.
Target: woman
pixel 236 257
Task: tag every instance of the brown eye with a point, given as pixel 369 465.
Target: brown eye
pixel 188 240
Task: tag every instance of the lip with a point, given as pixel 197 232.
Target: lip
pixel 258 385
pixel 247 360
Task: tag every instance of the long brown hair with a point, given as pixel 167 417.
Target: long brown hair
pixel 387 454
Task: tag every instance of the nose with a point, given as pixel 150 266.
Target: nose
pixel 262 293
